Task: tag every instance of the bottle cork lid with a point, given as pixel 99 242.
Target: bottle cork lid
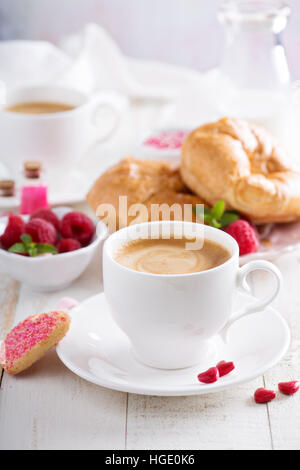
pixel 32 165
pixel 7 184
pixel 7 188
pixel 32 169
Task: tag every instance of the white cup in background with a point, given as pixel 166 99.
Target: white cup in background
pixel 59 139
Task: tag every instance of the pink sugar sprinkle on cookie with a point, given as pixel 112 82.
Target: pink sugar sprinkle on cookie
pixel 35 331
pixel 26 335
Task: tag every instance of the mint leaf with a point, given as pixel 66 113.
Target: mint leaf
pixel 228 218
pixel 32 251
pixel 45 248
pixel 215 223
pixel 218 210
pixel 17 248
pixel 26 239
pixel 32 248
pixel 217 217
pixel 208 218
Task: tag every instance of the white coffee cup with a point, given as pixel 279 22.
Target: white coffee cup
pixel 58 140
pixel 170 319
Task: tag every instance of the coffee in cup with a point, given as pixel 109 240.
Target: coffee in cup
pixel 171 256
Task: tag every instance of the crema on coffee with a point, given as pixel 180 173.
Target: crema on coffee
pixel 170 256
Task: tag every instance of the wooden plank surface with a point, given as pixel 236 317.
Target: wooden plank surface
pixel 230 419
pixel 8 302
pixel 224 420
pixel 284 412
pixel 48 407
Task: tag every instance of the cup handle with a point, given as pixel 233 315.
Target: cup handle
pixel 242 284
pixel 100 103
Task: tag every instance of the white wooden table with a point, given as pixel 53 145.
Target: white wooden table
pixel 48 407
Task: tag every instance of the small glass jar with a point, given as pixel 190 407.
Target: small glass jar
pixel 34 189
pixel 254 79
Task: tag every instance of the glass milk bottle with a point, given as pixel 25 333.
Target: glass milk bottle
pixel 254 78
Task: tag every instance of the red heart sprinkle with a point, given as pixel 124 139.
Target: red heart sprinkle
pixel 210 376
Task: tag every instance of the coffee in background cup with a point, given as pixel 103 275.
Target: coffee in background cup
pixel 39 107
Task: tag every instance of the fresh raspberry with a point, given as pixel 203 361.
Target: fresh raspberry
pixel 41 231
pixel 48 215
pixel 78 226
pixel 245 234
pixel 67 244
pixel 13 231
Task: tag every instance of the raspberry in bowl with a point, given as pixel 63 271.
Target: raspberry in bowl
pixel 50 260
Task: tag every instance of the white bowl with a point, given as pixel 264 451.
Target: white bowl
pixel 51 273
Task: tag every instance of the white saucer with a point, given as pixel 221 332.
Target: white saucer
pixel 97 350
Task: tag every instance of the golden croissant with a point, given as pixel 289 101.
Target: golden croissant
pixel 142 182
pixel 243 165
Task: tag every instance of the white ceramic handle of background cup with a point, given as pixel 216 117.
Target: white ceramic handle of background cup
pixel 259 304
pixel 102 106
pixel 171 319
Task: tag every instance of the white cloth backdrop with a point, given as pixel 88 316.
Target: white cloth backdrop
pixel 182 32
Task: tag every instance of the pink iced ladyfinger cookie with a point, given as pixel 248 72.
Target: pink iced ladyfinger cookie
pixel 27 342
